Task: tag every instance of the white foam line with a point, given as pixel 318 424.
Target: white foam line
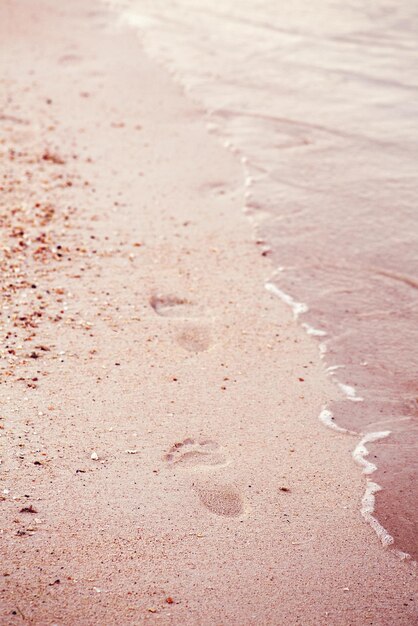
pixel 310 330
pixel 367 510
pixel 368 501
pixel 360 451
pixel 297 307
pixel 332 368
pixel 350 392
pixel 327 418
pixel 403 555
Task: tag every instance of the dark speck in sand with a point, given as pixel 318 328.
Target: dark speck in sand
pixel 28 509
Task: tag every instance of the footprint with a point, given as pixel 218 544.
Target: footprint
pixel 190 453
pixel 70 59
pixel 195 339
pixel 172 306
pixel 217 187
pixel 14 120
pixel 223 500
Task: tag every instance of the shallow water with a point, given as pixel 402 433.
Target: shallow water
pixel 320 100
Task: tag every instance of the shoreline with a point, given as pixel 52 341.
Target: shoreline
pixel 184 398
pixel 125 19
pixel 278 128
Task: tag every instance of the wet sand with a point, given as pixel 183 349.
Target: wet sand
pixel 162 460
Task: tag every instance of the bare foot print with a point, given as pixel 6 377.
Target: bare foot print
pixel 191 453
pixel 195 339
pixel 221 499
pixel 172 306
pixel 217 187
pixel 70 59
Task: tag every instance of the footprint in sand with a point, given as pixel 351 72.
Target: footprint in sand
pixel 216 187
pixel 190 453
pixel 70 59
pixel 219 498
pixel 222 499
pixel 195 338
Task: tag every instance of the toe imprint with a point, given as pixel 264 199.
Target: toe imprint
pixel 172 306
pixel 221 499
pixel 191 453
pixel 69 59
pixel 217 187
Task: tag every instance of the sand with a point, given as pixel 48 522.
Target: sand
pixel 162 457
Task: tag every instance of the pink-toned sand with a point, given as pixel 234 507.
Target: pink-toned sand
pixel 162 460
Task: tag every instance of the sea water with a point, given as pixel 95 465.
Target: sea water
pixel 319 99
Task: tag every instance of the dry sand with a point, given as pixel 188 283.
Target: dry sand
pixel 159 406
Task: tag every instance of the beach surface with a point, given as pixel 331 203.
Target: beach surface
pixel 162 456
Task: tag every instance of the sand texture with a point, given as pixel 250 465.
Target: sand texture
pixel 162 457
